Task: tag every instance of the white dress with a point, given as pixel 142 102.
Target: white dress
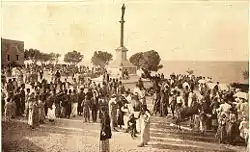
pixel 51 113
pixel 145 128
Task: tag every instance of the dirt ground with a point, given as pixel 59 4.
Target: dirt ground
pixel 74 135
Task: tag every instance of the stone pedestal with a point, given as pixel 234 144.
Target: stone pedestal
pixel 121 63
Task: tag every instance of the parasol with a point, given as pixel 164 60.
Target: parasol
pixel 202 81
pixel 242 95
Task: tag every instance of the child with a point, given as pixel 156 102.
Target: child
pixel 86 104
pixel 132 126
pixel 8 110
pixel 244 129
pixel 51 113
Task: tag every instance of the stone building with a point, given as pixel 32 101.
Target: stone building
pixel 12 52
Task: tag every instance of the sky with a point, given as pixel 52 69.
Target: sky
pixel 177 29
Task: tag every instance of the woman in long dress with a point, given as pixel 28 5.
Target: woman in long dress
pixel 105 133
pixel 86 109
pixel 41 110
pixel 31 106
pixel 113 112
pixel 36 116
pixel 145 126
pixel 8 110
pixel 74 99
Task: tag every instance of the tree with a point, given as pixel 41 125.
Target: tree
pixel 26 54
pixel 44 57
pixel 32 54
pixel 73 57
pixel 101 58
pixel 137 59
pixel 245 74
pixel 147 61
pixel 54 57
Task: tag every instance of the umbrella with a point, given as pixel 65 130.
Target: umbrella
pixel 202 81
pixel 241 95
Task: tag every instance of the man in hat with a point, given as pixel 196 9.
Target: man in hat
pixel 80 100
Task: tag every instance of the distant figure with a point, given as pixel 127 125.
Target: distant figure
pixel 58 75
pixel 125 74
pixel 216 88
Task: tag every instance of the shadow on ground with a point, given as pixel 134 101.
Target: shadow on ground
pixel 13 139
pixel 15 135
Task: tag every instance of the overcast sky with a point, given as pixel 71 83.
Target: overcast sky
pixel 178 30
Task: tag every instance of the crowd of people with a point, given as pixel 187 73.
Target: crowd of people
pixel 223 110
pixel 36 97
pixel 39 98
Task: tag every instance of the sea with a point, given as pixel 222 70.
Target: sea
pixel 222 71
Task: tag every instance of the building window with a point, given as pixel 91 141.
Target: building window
pixel 17 57
pixel 8 57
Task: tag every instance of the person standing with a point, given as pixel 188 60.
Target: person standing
pixel 105 133
pixel 113 112
pixel 81 98
pixel 41 74
pixel 27 100
pixel 17 102
pixel 86 107
pixel 10 87
pixel 41 110
pixel 31 106
pixel 57 75
pixel 74 98
pixel 145 126
pixel 51 112
pixel 163 102
pixel 36 116
pixel 120 119
pixel 8 110
pixel 68 103
pixel 95 106
pixel 22 99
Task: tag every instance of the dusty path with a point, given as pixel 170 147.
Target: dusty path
pixel 72 135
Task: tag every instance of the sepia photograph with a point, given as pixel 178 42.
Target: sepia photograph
pixel 125 76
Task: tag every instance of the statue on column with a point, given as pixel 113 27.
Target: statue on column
pixel 123 11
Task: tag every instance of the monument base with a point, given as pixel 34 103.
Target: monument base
pixel 116 71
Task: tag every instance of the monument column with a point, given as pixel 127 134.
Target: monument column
pixel 122 26
pixel 121 62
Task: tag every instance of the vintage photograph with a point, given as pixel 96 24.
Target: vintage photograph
pixel 125 76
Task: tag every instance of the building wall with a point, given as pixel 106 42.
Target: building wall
pixel 12 51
